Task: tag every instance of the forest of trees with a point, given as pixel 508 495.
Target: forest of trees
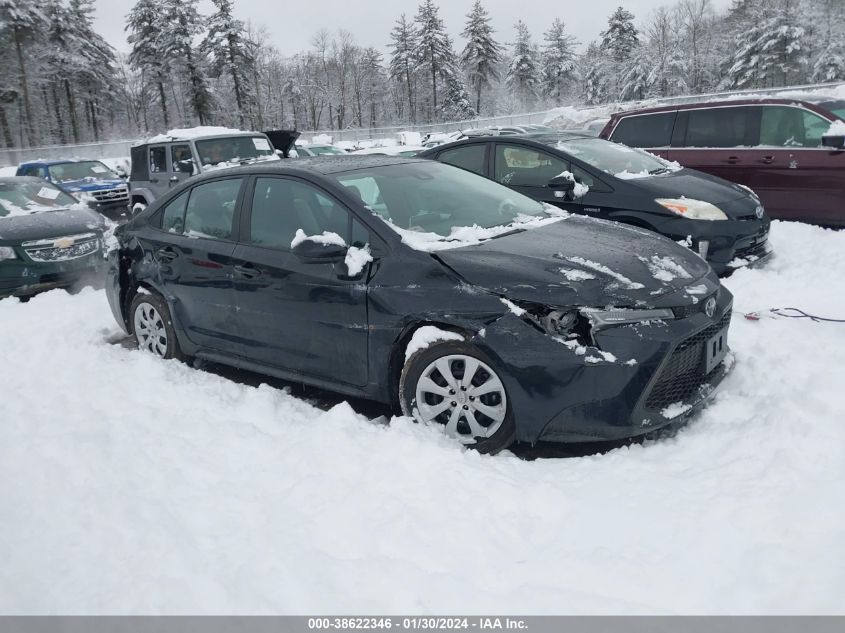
pixel 65 84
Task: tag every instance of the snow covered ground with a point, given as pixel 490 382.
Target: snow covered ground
pixel 133 485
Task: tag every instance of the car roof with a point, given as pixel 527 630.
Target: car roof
pixel 62 161
pixel 311 164
pixel 163 138
pixel 806 99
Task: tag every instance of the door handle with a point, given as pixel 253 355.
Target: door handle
pixel 153 179
pixel 246 271
pixel 174 179
pixel 732 160
pixel 767 160
pixel 166 254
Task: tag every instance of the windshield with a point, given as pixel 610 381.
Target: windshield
pixel 613 158
pixel 234 149
pixel 20 198
pixel 440 201
pixel 319 150
pixel 66 172
pixel 837 107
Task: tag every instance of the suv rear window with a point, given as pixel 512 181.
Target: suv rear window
pixel 645 130
pixel 717 127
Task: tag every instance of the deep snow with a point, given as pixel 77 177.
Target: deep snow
pixel 133 485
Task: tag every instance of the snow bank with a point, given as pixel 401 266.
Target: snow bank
pixel 135 485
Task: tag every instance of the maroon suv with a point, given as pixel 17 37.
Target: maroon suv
pixel 781 148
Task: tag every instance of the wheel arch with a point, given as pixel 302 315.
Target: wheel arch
pixel 397 352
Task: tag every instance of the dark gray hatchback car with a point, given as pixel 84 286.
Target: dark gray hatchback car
pixel 723 222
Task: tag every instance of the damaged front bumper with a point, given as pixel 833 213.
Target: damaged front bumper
pixel 635 380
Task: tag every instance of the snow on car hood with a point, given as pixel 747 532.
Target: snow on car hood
pixel 584 261
pixel 52 223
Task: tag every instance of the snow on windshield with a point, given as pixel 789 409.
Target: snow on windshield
pixel 620 160
pixel 81 170
pixel 433 206
pixel 231 151
pixel 23 198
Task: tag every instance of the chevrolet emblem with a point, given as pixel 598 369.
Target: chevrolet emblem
pixel 63 242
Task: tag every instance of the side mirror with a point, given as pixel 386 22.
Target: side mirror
pixel 565 184
pixel 833 141
pixel 312 251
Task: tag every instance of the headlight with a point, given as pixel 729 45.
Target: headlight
pixel 606 318
pixel 7 252
pixel 692 209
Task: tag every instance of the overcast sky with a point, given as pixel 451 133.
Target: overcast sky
pixel 291 23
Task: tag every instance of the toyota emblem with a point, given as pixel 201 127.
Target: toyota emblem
pixel 710 307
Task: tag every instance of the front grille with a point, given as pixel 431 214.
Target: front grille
pixel 682 312
pixel 683 374
pixel 118 194
pixel 62 248
pixel 754 250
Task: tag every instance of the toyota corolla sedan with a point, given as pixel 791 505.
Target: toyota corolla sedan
pixel 48 239
pixel 723 222
pixel 460 301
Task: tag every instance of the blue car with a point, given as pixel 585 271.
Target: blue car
pixel 105 191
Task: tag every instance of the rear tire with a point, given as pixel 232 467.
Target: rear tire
pixel 152 326
pixel 137 207
pixel 454 385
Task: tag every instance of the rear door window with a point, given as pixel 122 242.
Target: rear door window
pixel 211 206
pixel 718 127
pixel 645 130
pixel 469 157
pixel 173 218
pixel 158 159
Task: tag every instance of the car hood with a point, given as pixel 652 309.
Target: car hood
pixel 90 184
pixel 697 185
pixel 47 224
pixel 585 262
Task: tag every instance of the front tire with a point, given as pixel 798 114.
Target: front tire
pixel 153 327
pixel 453 384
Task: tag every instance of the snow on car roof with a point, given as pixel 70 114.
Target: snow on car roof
pixel 201 131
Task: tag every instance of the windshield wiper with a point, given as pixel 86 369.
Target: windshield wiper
pixel 659 170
